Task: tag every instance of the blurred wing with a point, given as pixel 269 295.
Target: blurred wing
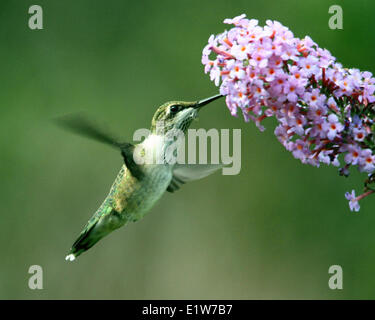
pixel 82 126
pixel 190 172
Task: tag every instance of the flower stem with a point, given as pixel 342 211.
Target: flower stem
pixel 364 195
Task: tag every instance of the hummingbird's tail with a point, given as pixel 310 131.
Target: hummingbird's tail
pixel 104 221
pixel 83 243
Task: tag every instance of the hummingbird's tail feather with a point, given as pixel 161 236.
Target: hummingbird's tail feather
pixel 101 224
pixel 83 243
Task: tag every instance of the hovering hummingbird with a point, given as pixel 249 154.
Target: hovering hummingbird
pixel 138 186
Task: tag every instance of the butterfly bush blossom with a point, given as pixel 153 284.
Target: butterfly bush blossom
pixel 323 109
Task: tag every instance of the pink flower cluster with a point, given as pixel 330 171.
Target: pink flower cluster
pixel 323 110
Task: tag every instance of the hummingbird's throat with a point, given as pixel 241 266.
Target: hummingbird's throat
pixel 157 149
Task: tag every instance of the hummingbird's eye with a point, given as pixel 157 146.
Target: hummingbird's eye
pixel 174 109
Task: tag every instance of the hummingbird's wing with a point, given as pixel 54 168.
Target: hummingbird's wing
pixel 82 126
pixel 79 124
pixel 190 172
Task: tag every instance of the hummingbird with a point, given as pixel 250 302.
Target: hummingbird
pixel 138 186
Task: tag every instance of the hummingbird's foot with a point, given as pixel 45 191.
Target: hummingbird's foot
pixel 70 257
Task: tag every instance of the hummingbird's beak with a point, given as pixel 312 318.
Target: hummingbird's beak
pixel 203 102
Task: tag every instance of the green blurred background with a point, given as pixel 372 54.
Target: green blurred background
pixel 269 233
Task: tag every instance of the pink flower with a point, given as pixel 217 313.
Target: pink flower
pixel 259 57
pixel 367 161
pixel 353 203
pixel 298 125
pixel 324 156
pixel 309 65
pixel 236 20
pixel 323 109
pixel 292 90
pixel 240 51
pixel 359 134
pixel 237 73
pixel 317 129
pixel 215 75
pixel 314 98
pixel 300 150
pixel 332 126
pixel 353 155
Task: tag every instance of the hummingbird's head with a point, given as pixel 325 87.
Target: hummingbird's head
pixel 177 115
